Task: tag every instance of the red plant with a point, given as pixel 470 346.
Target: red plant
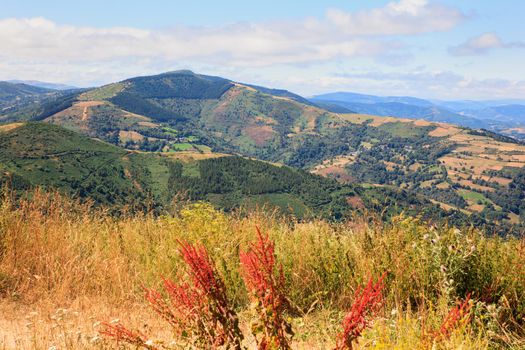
pixel 209 292
pixel 265 282
pixel 458 316
pixel 367 302
pixel 199 310
pixel 122 334
pixel 182 309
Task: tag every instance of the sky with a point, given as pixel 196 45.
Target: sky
pixel 438 49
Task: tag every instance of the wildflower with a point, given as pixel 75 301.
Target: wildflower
pixel 367 302
pixel 458 316
pixel 265 281
pixel 122 334
pixel 198 310
pixel 209 290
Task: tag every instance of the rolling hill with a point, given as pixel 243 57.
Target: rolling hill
pixel 476 172
pixel 48 156
pixel 468 173
pixel 24 101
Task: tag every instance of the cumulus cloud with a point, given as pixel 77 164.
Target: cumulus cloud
pixel 369 33
pixel 482 44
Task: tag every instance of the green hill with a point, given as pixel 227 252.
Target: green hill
pixel 44 155
pixel 458 169
pixel 169 111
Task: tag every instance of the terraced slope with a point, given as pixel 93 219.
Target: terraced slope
pixel 460 169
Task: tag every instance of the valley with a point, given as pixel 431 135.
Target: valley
pixel 467 175
pixel 262 175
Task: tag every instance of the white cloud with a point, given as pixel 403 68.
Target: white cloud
pixel 405 17
pixel 482 44
pixel 419 82
pixel 60 50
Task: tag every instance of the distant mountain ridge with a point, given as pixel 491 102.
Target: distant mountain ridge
pixel 17 95
pixel 43 84
pixel 502 116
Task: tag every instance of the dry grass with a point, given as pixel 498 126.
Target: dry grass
pixel 189 156
pixel 130 136
pixel 9 127
pixel 260 134
pixel 57 254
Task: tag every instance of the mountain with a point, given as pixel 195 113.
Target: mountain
pixel 12 94
pixel 181 110
pixel 471 175
pixel 463 105
pixel 20 101
pixel 351 97
pixel 395 106
pixel 505 116
pixel 43 84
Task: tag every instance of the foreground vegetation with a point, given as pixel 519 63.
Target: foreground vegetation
pixel 65 266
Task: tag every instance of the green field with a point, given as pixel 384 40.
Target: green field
pixel 474 197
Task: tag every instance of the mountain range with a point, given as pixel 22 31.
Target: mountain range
pixel 503 116
pixel 148 139
pixel 44 84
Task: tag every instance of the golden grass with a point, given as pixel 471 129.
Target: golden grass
pixel 57 254
pixel 444 130
pixel 130 136
pixel 9 127
pixel 189 156
pixel 335 167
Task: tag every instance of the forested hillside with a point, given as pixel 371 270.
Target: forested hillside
pixel 463 171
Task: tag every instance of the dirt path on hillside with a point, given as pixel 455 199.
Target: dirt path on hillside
pixel 84 114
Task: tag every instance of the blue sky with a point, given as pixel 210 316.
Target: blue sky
pixel 434 49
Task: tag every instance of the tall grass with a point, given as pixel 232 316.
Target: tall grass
pixel 55 250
